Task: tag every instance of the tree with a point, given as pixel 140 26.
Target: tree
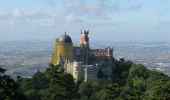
pixel 128 93
pixel 138 70
pixel 137 77
pixel 100 74
pixel 86 89
pixel 2 71
pixel 158 86
pixel 109 92
pixel 122 66
pixel 62 84
pixel 39 81
pixel 9 88
pixel 139 83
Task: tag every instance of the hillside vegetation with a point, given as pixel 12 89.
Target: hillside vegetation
pixel 130 82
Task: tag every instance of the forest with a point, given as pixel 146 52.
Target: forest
pixel 130 82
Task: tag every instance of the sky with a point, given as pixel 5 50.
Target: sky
pixel 106 20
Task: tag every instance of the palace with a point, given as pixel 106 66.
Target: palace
pixel 82 62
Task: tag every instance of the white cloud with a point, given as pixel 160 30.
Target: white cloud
pixel 17 13
pixel 37 19
pixel 69 18
pixel 132 7
pixel 99 10
pixel 82 8
pixel 51 3
pixel 165 23
pixel 94 9
pixel 79 12
pixel 1 13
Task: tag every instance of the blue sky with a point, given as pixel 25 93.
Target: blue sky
pixel 107 20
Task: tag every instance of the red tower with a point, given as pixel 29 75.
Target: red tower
pixel 84 39
pixel 84 45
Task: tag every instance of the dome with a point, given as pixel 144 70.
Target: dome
pixel 65 39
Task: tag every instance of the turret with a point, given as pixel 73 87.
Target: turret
pixel 84 39
pixel 84 44
pixel 63 49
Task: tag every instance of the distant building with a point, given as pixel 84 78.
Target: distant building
pixel 80 61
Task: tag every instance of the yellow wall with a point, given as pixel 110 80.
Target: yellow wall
pixel 53 58
pixel 65 50
pixel 54 54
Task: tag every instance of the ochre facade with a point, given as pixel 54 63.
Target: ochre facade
pixel 63 50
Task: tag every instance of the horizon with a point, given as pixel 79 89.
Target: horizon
pixel 75 40
pixel 111 20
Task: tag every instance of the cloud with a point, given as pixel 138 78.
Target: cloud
pixel 51 3
pixel 70 18
pixel 85 8
pixel 93 9
pixel 82 9
pixel 165 23
pixel 17 13
pixel 132 8
pixel 161 13
pixel 1 13
pixel 99 9
pixel 80 13
pixel 37 19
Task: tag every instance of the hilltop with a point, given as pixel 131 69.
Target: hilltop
pixel 130 81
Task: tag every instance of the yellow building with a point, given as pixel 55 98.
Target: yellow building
pixel 63 50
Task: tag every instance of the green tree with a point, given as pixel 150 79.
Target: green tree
pixel 158 86
pixel 128 93
pixel 86 89
pixel 139 83
pixel 138 70
pixel 109 92
pixel 9 88
pixel 62 85
pixel 122 67
pixel 39 81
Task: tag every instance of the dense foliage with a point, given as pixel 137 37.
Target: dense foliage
pixel 8 88
pixel 130 82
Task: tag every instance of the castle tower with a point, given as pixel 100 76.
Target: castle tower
pixel 77 71
pixel 63 49
pixel 84 44
pixel 84 39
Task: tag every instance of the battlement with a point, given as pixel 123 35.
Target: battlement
pixel 86 32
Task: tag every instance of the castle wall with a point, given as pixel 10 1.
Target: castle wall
pixel 76 53
pixel 65 51
pixel 102 52
pixel 77 71
pixel 54 58
pixel 68 68
pixel 89 73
